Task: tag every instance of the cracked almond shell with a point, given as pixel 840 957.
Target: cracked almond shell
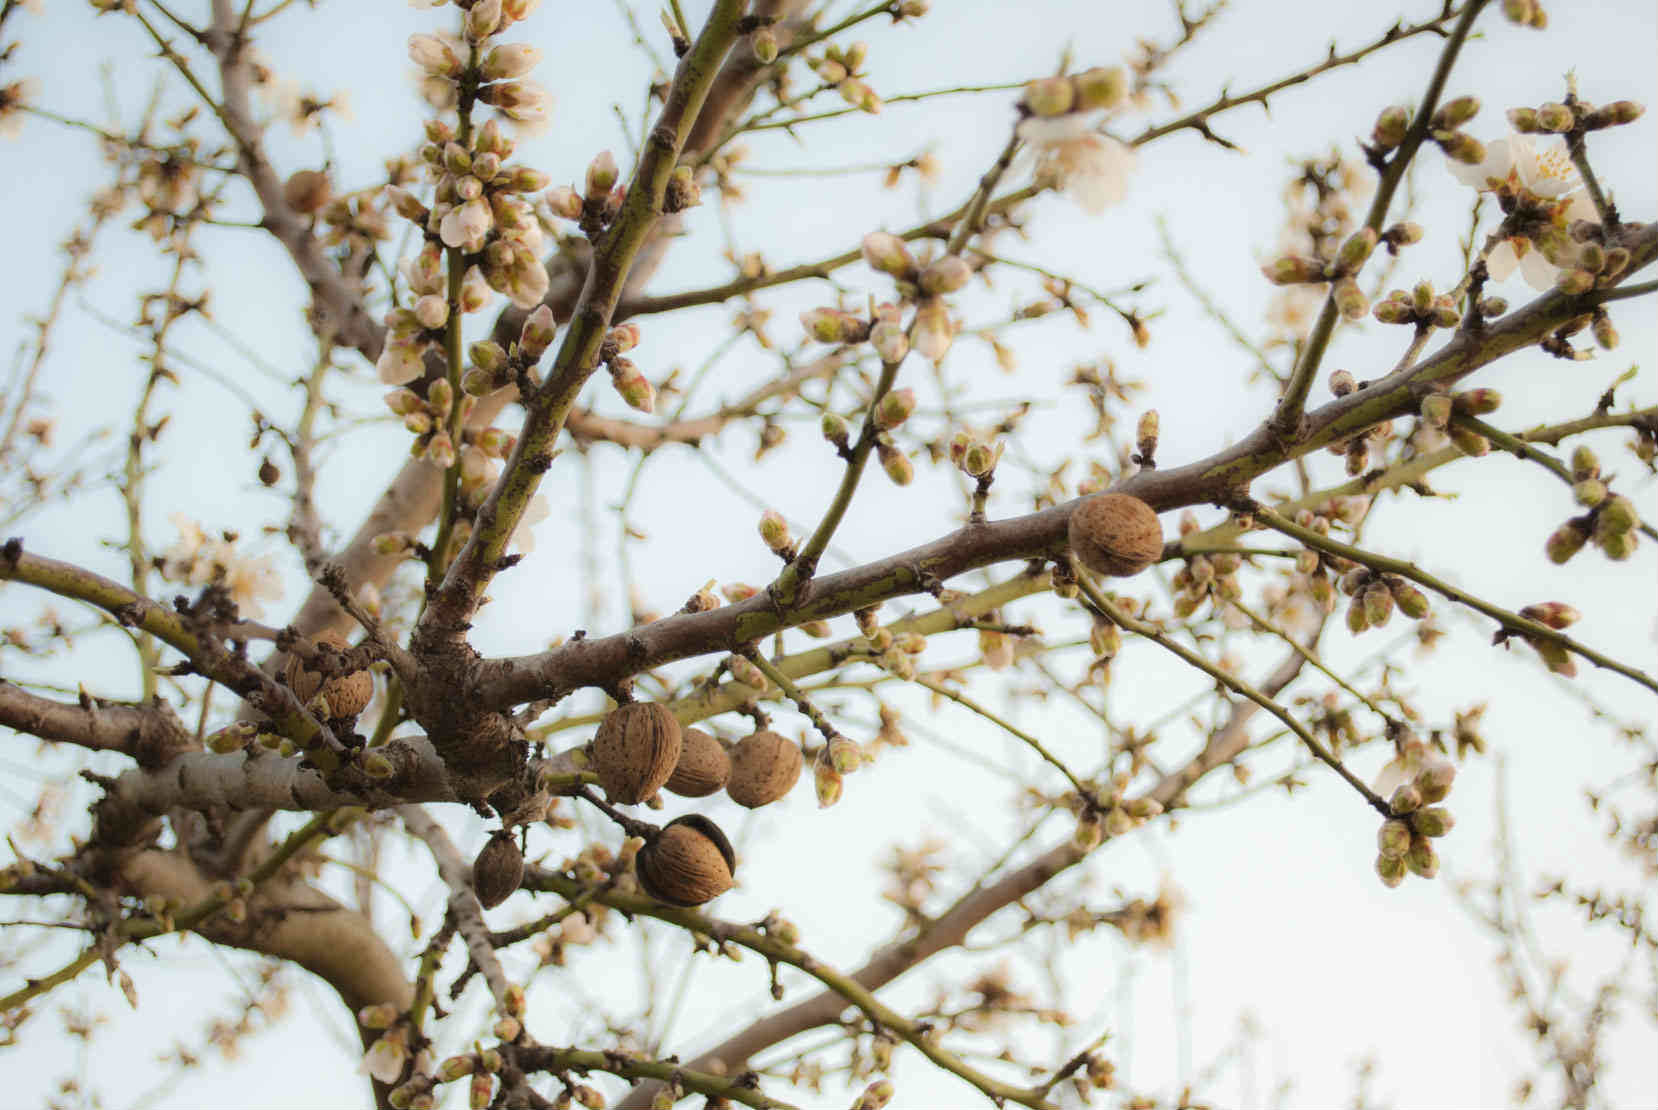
pixel 1115 534
pixel 346 695
pixel 688 863
pixel 704 765
pixel 764 767
pixel 635 751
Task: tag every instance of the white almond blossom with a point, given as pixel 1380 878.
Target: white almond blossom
pixel 1540 179
pixel 197 560
pixel 1092 168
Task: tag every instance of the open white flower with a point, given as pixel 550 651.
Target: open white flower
pixel 1093 169
pixel 1544 182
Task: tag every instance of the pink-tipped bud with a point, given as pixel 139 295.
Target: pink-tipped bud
pixel 1393 840
pixel 827 782
pixel 602 175
pixel 1553 614
pixel 1566 541
pixel 1477 402
pixel 631 385
pixel 1433 782
pixel 1436 410
pixel 537 333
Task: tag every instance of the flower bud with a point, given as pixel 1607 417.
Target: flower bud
pixel 1614 114
pixel 1390 127
pixel 1292 270
pixel 845 755
pixel 431 310
pixel 564 202
pixel 1393 840
pixel 775 532
pixel 1606 336
pixel 1434 821
pixel 1566 541
pixel 946 275
pixel 1406 799
pixel 1105 638
pixel 1477 402
pixel 1355 250
pixel 1555 117
pixel 1391 870
pixel 537 333
pixel 887 253
pixel 1617 516
pixel 826 325
pixel 1101 87
pixel 1459 146
pixel 510 60
pixel 827 782
pixel 1436 410
pixel 1421 858
pixel 894 408
pixel 1342 383
pixel 1049 96
pixel 1455 113
pixel 835 428
pixel 1469 442
pixel 1378 604
pixel 602 175
pixel 1433 782
pixel 890 342
pixel 483 19
pixel 1575 282
pixel 631 385
pixel 434 56
pixel 980 459
pixel 895 463
pixel 1350 299
pixel 764 44
pixel 1524 120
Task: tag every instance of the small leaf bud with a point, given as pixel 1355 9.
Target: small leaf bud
pixel 1433 782
pixel 946 275
pixel 1421 857
pixel 764 44
pixel 1100 87
pixel 1391 870
pixel 1294 270
pixel 835 428
pixel 537 333
pixel 1614 114
pixel 1411 601
pixel 827 782
pixel 1356 250
pixel 602 175
pixel 1436 410
pixel 1049 96
pixel 1350 299
pixel 1469 442
pixel 1477 402
pixel 1459 146
pixel 1406 799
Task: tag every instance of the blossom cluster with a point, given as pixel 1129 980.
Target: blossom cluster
pixel 200 560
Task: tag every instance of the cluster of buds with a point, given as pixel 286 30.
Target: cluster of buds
pixel 1440 410
pixel 497 78
pixel 1558 616
pixel 1554 118
pixel 975 457
pixel 895 654
pixel 598 202
pixel 492 367
pixel 632 385
pixel 1420 307
pixel 1611 522
pixel 842 69
pixel 1444 128
pixel 926 283
pixel 1113 815
pixel 1375 596
pixel 1405 840
pixel 1092 90
pixel 479 210
pixel 1341 272
pixel 1205 576
pixel 428 418
pixel 1357 448
pixel 1586 262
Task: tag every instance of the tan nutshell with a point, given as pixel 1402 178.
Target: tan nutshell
pixel 498 870
pixel 346 695
pixel 688 863
pixel 636 750
pixel 764 767
pixel 703 767
pixel 1115 534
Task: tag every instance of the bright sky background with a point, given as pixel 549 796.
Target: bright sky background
pixel 1285 924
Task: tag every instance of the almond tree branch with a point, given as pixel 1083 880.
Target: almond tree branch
pixel 149 734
